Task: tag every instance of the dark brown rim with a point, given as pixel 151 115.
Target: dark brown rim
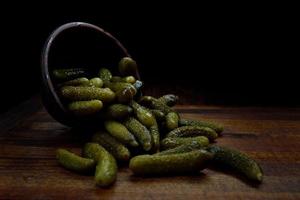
pixel 45 53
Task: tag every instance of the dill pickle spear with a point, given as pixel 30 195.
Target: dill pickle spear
pixel 96 82
pixel 172 119
pixel 184 148
pixel 68 74
pixel 106 169
pixel 139 131
pixel 82 108
pixel 74 162
pixel 169 143
pixel 87 93
pixel 118 111
pixel 143 115
pixel 105 75
pixel 120 132
pixel 237 161
pixel 77 82
pixel 117 149
pixel 191 131
pixel 128 67
pixel 169 99
pixel 174 164
pixel 189 122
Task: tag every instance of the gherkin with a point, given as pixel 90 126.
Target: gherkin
pixel 169 143
pixel 82 108
pixel 191 131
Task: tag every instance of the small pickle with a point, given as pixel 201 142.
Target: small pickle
pixel 106 169
pixel 87 93
pixel 155 137
pixel 82 108
pixel 143 114
pixel 237 161
pixel 184 148
pixel 68 74
pixel 124 91
pixel 96 82
pixel 172 119
pixel 77 82
pixel 169 99
pixel 118 111
pixel 120 132
pixel 129 79
pixel 139 131
pixel 74 162
pixel 191 162
pixel 159 115
pixel 105 75
pixel 128 67
pixel 191 131
pixel 169 143
pixel 189 122
pixel 117 149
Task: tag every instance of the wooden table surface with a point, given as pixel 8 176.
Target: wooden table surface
pixel 29 170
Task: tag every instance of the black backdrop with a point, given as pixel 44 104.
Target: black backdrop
pixel 243 57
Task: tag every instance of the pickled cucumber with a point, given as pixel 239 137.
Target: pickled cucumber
pixel 172 119
pixel 237 161
pixel 128 67
pixel 118 111
pixel 74 162
pixel 96 82
pixel 87 93
pixel 169 143
pixel 117 149
pixel 191 131
pixel 77 82
pixel 189 122
pixel 120 132
pixel 124 91
pixel 68 74
pixel 184 148
pixel 81 108
pixel 106 169
pixel 143 115
pixel 105 75
pixel 169 99
pixel 191 162
pixel 140 132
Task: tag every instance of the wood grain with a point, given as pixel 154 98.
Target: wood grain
pixel 28 169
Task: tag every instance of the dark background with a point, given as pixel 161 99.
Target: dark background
pixel 233 57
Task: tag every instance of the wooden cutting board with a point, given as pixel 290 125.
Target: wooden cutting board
pixel 29 170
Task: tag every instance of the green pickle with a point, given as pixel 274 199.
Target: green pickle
pixel 68 74
pixel 87 93
pixel 169 143
pixel 140 132
pixel 143 114
pixel 172 119
pixel 189 122
pixel 191 131
pixel 184 148
pixel 105 75
pixel 96 82
pixel 184 163
pixel 169 99
pixel 124 91
pixel 74 162
pixel 82 108
pixel 117 149
pixel 128 67
pixel 120 132
pixel 155 137
pixel 77 82
pixel 118 111
pixel 106 169
pixel 238 161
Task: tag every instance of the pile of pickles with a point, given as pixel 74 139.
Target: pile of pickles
pixel 144 131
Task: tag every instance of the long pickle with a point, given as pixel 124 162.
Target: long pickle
pixel 117 149
pixel 77 82
pixel 82 108
pixel 120 132
pixel 191 162
pixel 140 132
pixel 191 131
pixel 184 148
pixel 68 74
pixel 169 143
pixel 237 161
pixel 106 169
pixel 87 93
pixel 143 114
pixel 189 122
pixel 74 162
